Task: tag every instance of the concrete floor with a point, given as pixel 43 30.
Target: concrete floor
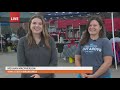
pixel 9 59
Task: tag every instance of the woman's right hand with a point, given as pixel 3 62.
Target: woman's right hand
pixel 83 75
pixel 35 76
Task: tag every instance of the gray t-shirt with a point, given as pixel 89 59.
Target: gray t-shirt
pixel 39 55
pixel 93 52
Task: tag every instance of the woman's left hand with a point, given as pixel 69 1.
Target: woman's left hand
pixel 35 76
pixel 90 76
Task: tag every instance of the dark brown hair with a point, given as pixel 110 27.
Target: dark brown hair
pixel 44 34
pixel 86 34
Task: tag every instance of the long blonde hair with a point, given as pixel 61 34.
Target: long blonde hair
pixel 44 33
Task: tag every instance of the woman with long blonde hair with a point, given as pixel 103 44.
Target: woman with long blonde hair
pixel 37 48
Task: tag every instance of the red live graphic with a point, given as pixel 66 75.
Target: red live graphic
pixel 14 16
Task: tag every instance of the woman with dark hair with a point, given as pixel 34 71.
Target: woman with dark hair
pixel 37 48
pixel 95 50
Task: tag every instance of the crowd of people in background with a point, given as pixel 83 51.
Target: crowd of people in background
pixel 10 40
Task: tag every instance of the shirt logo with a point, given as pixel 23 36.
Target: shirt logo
pixel 91 48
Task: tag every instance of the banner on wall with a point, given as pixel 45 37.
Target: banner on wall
pixel 15 17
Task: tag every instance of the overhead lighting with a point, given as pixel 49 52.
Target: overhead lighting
pixel 32 12
pixel 69 12
pixel 49 14
pixel 88 14
pixel 98 13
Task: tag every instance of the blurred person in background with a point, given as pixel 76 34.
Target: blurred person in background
pixel 21 32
